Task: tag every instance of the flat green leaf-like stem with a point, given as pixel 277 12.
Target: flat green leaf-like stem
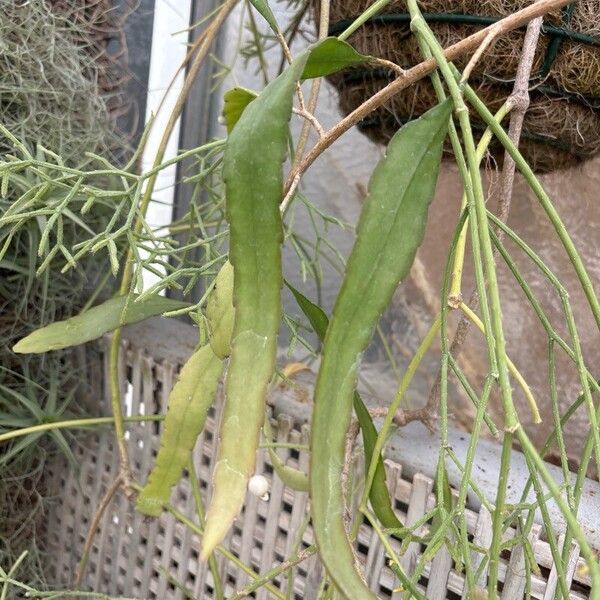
pixel 330 56
pixel 189 402
pixel 390 230
pixel 220 313
pixel 262 6
pixel 327 57
pixel 95 322
pixel 252 170
pixel 253 175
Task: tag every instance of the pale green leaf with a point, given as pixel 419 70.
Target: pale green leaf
pixel 220 313
pixel 235 102
pixel 379 494
pixel 95 322
pixel 257 145
pixel 390 230
pixel 331 55
pixel 262 6
pixel 189 402
pixel 325 58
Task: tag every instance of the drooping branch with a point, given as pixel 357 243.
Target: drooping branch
pixel 519 100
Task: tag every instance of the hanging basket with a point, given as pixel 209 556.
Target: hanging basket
pixel 562 125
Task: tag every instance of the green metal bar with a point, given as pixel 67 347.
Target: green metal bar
pixel 462 19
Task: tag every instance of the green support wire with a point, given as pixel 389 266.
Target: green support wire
pixel 556 41
pixel 557 36
pixel 459 18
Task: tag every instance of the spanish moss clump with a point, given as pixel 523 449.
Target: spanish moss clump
pixel 51 88
pixel 59 95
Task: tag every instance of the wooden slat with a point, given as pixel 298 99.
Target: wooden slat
pixel 145 435
pixel 249 523
pixel 151 404
pixel 437 584
pixel 298 516
pixel 376 557
pixel 132 405
pixel 284 425
pixel 483 539
pixel 421 488
pixel 569 569
pixel 517 570
pixel 164 562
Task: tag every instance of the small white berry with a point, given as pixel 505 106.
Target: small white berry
pixel 222 120
pixel 259 486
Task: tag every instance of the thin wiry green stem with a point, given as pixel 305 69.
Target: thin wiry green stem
pixel 584 280
pixel 363 18
pixel 544 199
pixel 274 572
pixel 394 560
pixel 574 495
pixel 197 495
pixel 395 404
pixel 586 550
pixel 74 424
pixel 480 213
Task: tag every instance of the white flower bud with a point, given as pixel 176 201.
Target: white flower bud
pixel 259 486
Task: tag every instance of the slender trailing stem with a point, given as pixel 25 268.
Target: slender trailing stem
pixel 426 38
pixel 74 424
pixel 567 243
pixel 126 279
pixel 459 259
pixel 104 504
pixel 395 405
pixel 363 18
pixel 480 213
pixel 559 563
pixel 394 561
pixel 8 578
pixel 519 102
pixel 573 493
pixel 419 24
pixel 315 85
pixel 543 198
pixel 197 495
pixel 562 292
pixel 455 295
pixel 511 366
pixel 260 55
pixel 199 530
pixel 571 519
pixel 274 572
pixel 499 514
